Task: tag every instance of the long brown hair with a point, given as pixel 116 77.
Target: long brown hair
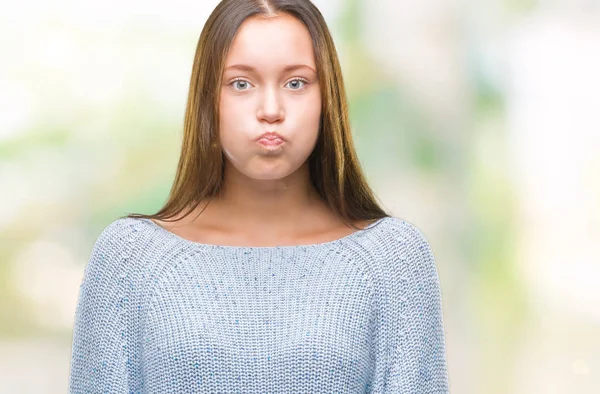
pixel 334 167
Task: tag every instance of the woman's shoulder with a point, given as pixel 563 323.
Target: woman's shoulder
pixel 124 243
pixel 110 258
pixel 403 246
pixel 399 233
pixel 119 232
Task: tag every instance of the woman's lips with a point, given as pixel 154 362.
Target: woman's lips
pixel 270 142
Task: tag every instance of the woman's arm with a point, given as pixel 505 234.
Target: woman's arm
pixel 417 354
pixel 98 355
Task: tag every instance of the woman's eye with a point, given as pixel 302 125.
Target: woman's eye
pixel 241 83
pixel 295 84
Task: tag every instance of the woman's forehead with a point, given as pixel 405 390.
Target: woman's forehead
pixel 263 42
pixel 284 68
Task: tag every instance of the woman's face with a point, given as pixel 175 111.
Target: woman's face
pixel 270 84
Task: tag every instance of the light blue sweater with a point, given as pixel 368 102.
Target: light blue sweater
pixel 161 314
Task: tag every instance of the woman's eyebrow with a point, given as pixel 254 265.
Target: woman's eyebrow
pixel 291 67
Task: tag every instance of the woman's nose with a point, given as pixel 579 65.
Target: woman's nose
pixel 271 108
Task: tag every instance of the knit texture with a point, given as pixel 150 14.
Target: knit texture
pixel 158 313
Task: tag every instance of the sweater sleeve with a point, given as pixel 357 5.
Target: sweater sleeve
pixel 416 341
pixel 98 353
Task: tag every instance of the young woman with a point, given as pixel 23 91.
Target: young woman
pixel 271 268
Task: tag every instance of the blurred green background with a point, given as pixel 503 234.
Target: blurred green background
pixel 475 120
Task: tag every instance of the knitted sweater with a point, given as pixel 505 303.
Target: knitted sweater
pixel 158 313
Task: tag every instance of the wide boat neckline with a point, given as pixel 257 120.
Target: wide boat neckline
pixel 312 245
